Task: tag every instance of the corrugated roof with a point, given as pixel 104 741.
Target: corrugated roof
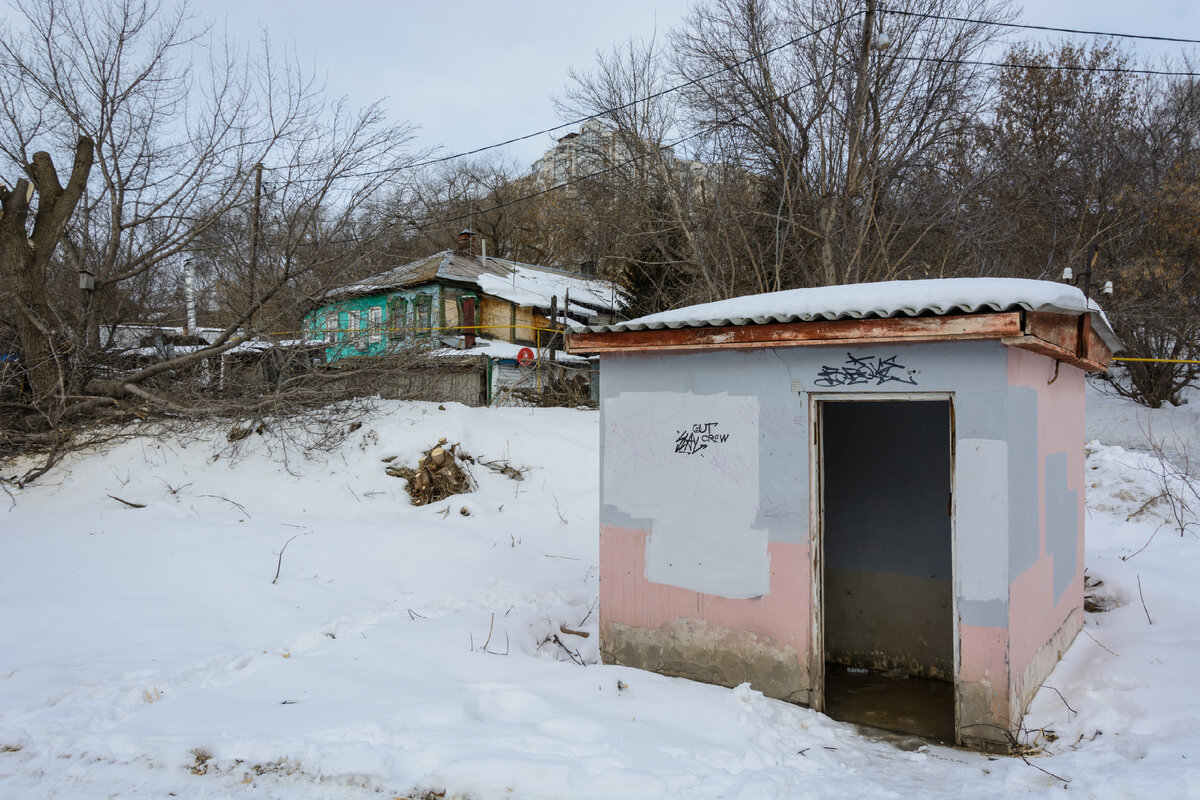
pixel 527 285
pixel 523 284
pixel 938 297
pixel 446 265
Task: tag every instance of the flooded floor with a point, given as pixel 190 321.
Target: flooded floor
pixel 919 706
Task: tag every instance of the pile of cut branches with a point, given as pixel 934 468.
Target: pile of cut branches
pixel 442 471
pixel 560 391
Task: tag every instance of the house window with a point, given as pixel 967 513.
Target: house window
pixel 424 316
pixel 375 320
pixel 397 317
pixel 331 327
pixel 354 324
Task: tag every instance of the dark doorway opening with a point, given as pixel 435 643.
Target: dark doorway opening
pixel 887 564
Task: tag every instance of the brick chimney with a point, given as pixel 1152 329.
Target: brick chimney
pixel 466 243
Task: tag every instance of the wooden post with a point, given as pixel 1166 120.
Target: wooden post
pixel 553 344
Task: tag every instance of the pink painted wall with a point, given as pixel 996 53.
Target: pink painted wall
pixel 1034 617
pixel 983 656
pixel 627 597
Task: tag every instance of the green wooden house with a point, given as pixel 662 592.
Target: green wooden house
pixel 451 297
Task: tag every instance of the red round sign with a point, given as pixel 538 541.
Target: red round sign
pixel 525 356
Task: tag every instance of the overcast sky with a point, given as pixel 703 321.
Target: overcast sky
pixel 469 73
pixel 472 72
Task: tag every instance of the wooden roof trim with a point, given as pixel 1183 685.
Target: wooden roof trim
pixel 793 334
pixel 1055 335
pixel 1064 338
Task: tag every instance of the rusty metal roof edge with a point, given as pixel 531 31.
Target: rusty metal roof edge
pixel 880 310
pixel 1099 321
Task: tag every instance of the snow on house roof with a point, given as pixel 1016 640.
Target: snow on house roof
pixel 936 297
pixel 528 285
pixel 504 351
pixel 523 284
pixel 245 346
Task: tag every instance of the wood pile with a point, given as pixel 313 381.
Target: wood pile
pixel 442 471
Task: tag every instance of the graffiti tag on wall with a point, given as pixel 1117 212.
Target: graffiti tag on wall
pixel 699 436
pixel 875 370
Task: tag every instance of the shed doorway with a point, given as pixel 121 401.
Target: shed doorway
pixel 886 615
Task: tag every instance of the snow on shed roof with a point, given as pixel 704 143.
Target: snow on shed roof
pixel 936 297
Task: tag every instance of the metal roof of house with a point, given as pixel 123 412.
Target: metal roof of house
pixel 446 265
pixel 937 297
pixel 522 284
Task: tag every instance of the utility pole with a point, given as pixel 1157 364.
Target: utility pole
pixel 254 228
pixel 858 117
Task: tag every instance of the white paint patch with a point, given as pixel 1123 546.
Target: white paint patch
pixel 690 463
pixel 981 518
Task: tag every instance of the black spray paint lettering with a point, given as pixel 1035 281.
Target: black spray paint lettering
pixel 692 440
pixel 868 369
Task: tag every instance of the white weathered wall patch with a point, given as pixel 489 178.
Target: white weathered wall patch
pixel 689 463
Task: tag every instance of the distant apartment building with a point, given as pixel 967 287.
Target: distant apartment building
pixel 593 149
pixel 596 149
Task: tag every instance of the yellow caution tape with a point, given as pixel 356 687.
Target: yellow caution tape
pixel 1162 360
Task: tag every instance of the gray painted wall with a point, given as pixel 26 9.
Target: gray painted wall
pixel 652 398
pixel 1024 541
pixel 1062 523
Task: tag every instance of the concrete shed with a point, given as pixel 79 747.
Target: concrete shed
pixel 865 499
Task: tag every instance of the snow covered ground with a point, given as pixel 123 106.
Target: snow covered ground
pixel 406 651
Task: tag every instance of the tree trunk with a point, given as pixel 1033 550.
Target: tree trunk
pixel 32 317
pixel 25 260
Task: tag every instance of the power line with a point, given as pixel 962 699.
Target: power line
pixel 723 123
pixel 613 168
pixel 797 40
pixel 1052 67
pixel 1049 28
pixel 811 83
pixel 613 109
pixel 639 100
pixel 777 48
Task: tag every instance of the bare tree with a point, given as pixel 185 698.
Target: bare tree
pixel 839 129
pixel 1061 147
pixel 185 148
pixel 803 153
pixel 1082 152
pixel 25 259
pixel 1155 255
pixel 486 195
pixel 640 189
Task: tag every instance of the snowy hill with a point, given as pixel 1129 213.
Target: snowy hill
pixel 408 650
